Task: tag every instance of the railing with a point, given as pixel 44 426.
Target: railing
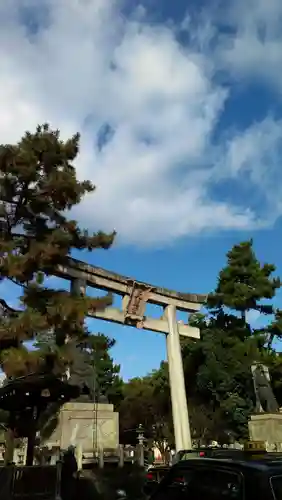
pixel 30 483
pixel 121 455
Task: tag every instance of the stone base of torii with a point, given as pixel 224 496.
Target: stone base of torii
pixel 135 296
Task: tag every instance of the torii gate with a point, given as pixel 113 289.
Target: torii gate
pixel 135 296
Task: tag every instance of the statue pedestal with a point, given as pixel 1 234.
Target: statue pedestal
pixel 267 427
pixel 92 426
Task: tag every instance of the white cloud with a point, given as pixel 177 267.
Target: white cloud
pixel 256 153
pixel 89 66
pixel 254 47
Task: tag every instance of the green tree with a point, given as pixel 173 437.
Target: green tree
pixel 220 362
pixel 275 369
pixel 274 329
pixel 104 381
pixel 147 402
pixel 46 341
pixel 106 378
pixel 218 375
pixel 244 282
pixel 38 188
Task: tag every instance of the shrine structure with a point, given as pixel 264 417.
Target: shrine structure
pixel 135 297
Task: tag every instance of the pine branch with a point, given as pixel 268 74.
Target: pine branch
pixel 8 309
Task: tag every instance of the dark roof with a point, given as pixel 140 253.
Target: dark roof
pixel 17 394
pixel 263 464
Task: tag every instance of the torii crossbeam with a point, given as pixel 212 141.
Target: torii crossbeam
pixel 135 295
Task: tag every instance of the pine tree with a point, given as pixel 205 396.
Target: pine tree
pixel 220 362
pixel 244 282
pixel 38 187
pixel 274 329
pixel 218 373
pixel 102 380
pixel 46 341
pixel 106 381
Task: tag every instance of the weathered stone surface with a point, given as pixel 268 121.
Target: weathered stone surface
pixel 267 427
pixel 265 399
pixel 135 296
pixel 92 426
pixel 115 282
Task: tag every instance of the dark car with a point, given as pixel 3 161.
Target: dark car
pixel 155 475
pixel 221 479
pixel 207 452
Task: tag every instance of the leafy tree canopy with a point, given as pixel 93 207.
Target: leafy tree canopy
pixel 218 374
pixel 217 367
pixel 220 362
pixel 244 282
pixel 106 379
pixel 39 186
pixel 147 402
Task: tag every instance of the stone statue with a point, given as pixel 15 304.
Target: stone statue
pixel 265 399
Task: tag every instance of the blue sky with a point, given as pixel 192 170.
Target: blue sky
pixel 180 114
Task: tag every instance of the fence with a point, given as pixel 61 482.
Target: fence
pixel 120 456
pixel 30 483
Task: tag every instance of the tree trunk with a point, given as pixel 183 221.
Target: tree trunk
pixel 270 340
pixel 30 448
pixel 32 436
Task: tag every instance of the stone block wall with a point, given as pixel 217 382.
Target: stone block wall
pixel 91 425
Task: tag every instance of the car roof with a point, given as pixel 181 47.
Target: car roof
pixel 264 464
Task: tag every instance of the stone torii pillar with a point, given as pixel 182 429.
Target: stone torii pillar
pixel 135 297
pixel 180 415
